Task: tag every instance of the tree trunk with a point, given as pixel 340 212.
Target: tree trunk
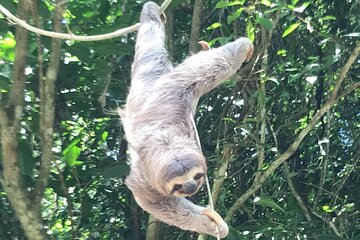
pixel 195 25
pixel 154 231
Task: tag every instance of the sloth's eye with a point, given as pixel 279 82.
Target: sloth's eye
pixel 177 187
pixel 198 176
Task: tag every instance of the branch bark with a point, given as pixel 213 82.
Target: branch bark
pixel 294 146
pixel 10 116
pixel 195 25
pixel 154 229
pixel 295 193
pixel 47 108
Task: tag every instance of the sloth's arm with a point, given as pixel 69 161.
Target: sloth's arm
pixel 184 214
pixel 205 70
pixel 151 58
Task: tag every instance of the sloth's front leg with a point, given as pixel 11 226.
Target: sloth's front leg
pixel 184 214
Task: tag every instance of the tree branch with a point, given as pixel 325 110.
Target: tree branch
pixel 345 70
pixel 195 25
pixel 47 108
pixel 294 146
pixel 10 121
pixel 294 192
pixel 220 175
pixel 71 36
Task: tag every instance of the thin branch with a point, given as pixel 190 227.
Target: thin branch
pixel 295 193
pixel 220 175
pixel 290 181
pixel 71 36
pixel 294 146
pixel 70 207
pixel 331 224
pixel 345 70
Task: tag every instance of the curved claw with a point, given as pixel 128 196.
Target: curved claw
pixel 204 45
pixel 250 53
pixel 214 216
pixel 222 226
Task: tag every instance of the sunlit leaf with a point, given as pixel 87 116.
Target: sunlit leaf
pixel 224 4
pixel 71 153
pixel 281 52
pixel 290 29
pixel 266 2
pixel 214 25
pixel 302 7
pixel 250 30
pixel 104 135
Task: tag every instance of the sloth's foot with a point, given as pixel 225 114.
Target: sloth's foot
pixel 222 227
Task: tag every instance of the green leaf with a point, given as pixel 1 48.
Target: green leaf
pixel 267 202
pixel 250 30
pixel 224 4
pixel 273 80
pixel 265 22
pixel 104 135
pixel 328 18
pixel 302 7
pixel 290 29
pixel 266 3
pixel 116 171
pixel 214 25
pixel 71 153
pixel 235 15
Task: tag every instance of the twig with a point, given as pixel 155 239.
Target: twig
pixel 331 224
pixel 70 36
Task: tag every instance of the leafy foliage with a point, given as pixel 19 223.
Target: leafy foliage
pixel 86 197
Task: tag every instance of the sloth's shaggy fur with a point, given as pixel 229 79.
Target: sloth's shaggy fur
pixel 157 121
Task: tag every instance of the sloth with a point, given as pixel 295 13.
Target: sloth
pixel 166 162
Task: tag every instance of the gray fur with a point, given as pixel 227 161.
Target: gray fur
pixel 157 119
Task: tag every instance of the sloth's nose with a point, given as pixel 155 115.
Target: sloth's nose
pixel 190 187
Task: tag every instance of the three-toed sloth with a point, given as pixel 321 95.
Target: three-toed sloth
pixel 166 162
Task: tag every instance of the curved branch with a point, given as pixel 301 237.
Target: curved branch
pixel 71 36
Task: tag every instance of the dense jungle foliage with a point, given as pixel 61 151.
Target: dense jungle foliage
pixel 281 137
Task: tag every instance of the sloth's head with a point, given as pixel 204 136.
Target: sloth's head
pixel 183 173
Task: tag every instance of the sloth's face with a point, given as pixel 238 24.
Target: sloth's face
pixel 179 171
pixel 187 184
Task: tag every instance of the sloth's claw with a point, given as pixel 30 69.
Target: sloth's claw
pixel 250 53
pixel 222 229
pixel 214 216
pixel 204 45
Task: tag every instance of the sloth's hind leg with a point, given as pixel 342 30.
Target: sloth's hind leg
pixel 151 58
